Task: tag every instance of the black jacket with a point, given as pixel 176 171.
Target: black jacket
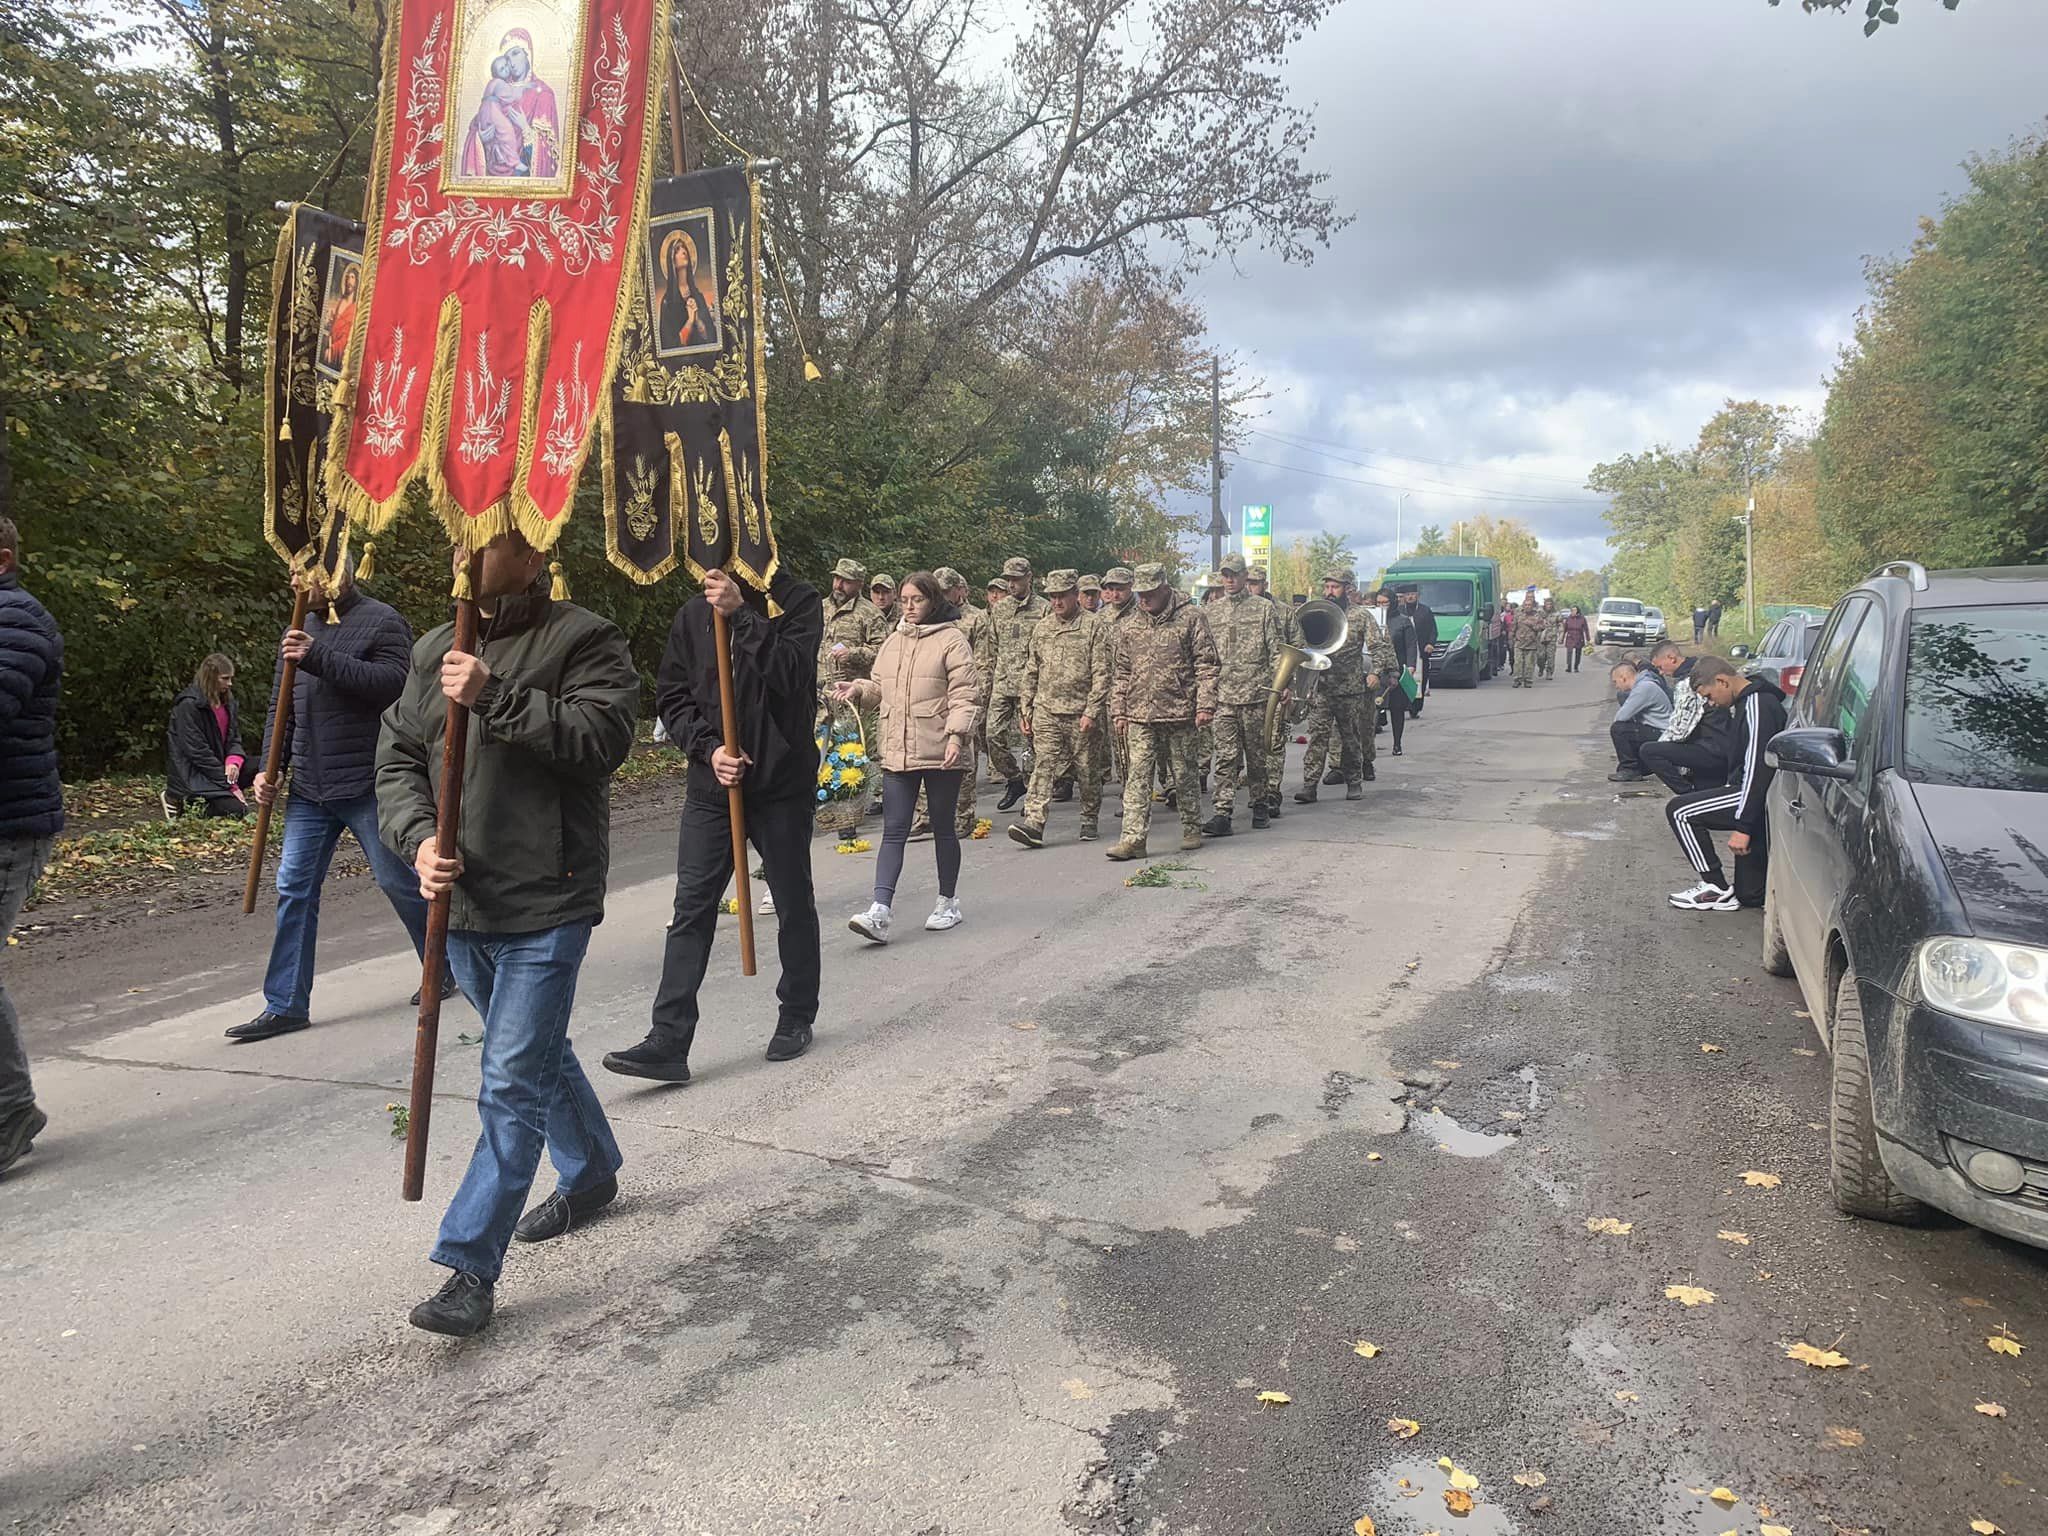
pixel 1401 632
pixel 31 669
pixel 1425 623
pixel 195 751
pixel 550 728
pixel 774 685
pixel 1757 715
pixel 354 672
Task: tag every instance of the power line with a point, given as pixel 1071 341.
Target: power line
pixel 1391 485
pixel 1339 450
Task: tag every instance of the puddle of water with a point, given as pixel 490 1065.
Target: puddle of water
pixel 1441 1130
pixel 1690 1509
pixel 1419 1506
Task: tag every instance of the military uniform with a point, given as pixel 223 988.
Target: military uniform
pixel 1163 676
pixel 1527 641
pixel 1015 618
pixel 1276 744
pixel 1383 663
pixel 1546 654
pixel 997 593
pixel 854 632
pixel 1066 682
pixel 1113 617
pixel 1343 704
pixel 1248 650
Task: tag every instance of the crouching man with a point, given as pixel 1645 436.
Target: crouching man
pixel 552 694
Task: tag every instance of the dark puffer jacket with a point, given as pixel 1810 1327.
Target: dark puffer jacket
pixel 354 672
pixel 195 752
pixel 31 670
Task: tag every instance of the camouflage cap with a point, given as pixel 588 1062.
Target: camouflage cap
pixel 1118 576
pixel 948 578
pixel 1342 573
pixel 1233 565
pixel 1149 577
pixel 1091 583
pixel 1061 581
pixel 996 584
pixel 882 579
pixel 851 570
pixel 1017 565
pixel 1255 573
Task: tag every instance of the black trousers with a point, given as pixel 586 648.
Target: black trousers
pixel 1696 817
pixel 1394 699
pixel 780 831
pixel 1629 738
pixel 1572 653
pixel 1684 766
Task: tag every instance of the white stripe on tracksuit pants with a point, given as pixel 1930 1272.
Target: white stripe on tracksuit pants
pixel 1695 816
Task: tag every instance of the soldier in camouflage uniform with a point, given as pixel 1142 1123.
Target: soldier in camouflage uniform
pixel 995 594
pixel 1015 618
pixel 854 632
pixel 1290 634
pixel 882 593
pixel 1342 699
pixel 1117 608
pixel 1162 688
pixel 1066 694
pixel 1097 745
pixel 1091 593
pixel 1248 649
pixel 1526 641
pixel 1553 626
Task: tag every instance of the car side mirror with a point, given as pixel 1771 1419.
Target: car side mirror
pixel 1818 751
pixel 1739 652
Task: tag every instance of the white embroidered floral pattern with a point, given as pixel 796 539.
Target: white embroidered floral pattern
pixel 488 400
pixel 386 424
pixel 569 425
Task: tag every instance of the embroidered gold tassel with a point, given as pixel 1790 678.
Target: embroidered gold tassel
pixel 461 594
pixel 812 373
pixel 333 618
pixel 558 589
pixel 284 430
pixel 366 568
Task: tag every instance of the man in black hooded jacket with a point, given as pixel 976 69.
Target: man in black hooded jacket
pixel 1756 712
pixel 775 694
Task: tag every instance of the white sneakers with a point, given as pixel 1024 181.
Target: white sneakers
pixel 872 924
pixel 945 915
pixel 767 907
pixel 1706 897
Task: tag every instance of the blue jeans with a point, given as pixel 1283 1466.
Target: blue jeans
pixel 534 1091
pixel 311 831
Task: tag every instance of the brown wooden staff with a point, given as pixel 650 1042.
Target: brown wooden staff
pixel 426 1037
pixel 721 633
pixel 273 755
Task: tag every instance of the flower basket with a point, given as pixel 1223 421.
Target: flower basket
pixel 844 787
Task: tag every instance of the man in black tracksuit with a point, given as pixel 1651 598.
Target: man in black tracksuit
pixel 775 696
pixel 1756 712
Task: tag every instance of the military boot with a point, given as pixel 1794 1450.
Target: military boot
pixel 1306 795
pixel 1260 818
pixel 1218 825
pixel 1026 835
pixel 1011 795
pixel 1334 777
pixel 1190 839
pixel 1354 791
pixel 1126 850
pixel 1063 789
pixel 1088 834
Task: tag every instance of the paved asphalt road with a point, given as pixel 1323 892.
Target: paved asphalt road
pixel 1017 1247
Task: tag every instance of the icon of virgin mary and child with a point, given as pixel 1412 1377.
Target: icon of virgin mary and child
pixel 513 133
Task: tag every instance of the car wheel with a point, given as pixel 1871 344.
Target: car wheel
pixel 1777 954
pixel 1855 1171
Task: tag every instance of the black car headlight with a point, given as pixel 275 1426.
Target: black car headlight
pixel 1996 983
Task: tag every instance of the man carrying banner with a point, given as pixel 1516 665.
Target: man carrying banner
pixel 775 689
pixel 552 693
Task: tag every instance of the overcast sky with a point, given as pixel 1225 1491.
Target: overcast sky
pixel 1579 226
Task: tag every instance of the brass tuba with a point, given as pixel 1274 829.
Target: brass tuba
pixel 1323 629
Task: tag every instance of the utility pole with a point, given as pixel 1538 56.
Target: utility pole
pixel 1219 530
pixel 1400 501
pixel 1749 565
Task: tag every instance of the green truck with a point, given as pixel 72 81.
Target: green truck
pixel 1462 591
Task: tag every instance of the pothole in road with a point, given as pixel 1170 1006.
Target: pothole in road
pixel 1409 1498
pixel 1458 1140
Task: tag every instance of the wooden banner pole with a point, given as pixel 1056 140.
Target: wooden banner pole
pixel 273 755
pixel 426 1037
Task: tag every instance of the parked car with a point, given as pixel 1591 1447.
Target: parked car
pixel 1782 655
pixel 1653 625
pixel 1618 621
pixel 1908 891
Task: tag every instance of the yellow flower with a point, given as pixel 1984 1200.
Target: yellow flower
pixel 851 777
pixel 824 776
pixel 730 904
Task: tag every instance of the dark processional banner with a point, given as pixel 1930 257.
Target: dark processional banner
pixel 315 292
pixel 685 451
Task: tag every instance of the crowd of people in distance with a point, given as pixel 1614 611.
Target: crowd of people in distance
pixel 1698 725
pixel 1523 638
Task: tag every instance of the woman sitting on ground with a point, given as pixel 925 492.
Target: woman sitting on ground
pixel 204 765
pixel 924 681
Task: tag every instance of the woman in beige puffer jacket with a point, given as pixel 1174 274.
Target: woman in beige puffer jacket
pixel 924 681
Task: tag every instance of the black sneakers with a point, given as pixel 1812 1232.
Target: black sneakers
pixel 559 1212
pixel 18 1133
pixel 1011 795
pixel 266 1025
pixel 460 1308
pixel 1217 825
pixel 1333 778
pixel 649 1059
pixel 1260 818
pixel 789 1042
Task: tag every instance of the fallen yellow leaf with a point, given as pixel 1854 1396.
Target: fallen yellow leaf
pixel 1078 1390
pixel 1974 1301
pixel 1986 1528
pixel 1365 1349
pixel 1626 1397
pixel 1363 1526
pixel 1819 1359
pixel 1689 1295
pixel 1531 1479
pixel 1463 1481
pixel 1448 1066
pixel 1992 1410
pixel 1709 1050
pixel 1734 1237
pixel 1372 1157
pixel 1757 1180
pixel 1844 1438
pixel 1774 1530
pixel 1722 1496
pixel 1275 1397
pixel 1457 1501
pixel 1609 1225
pixel 2004 1344
pixel 1404 1429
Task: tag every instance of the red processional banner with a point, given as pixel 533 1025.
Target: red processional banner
pixel 514 141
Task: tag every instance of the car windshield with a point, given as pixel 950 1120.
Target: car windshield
pixel 1446 599
pixel 1977 698
pixel 1622 607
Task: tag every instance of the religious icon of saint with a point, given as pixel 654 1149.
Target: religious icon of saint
pixel 513 132
pixel 687 308
pixel 338 323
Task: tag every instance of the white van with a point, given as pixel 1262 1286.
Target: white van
pixel 1621 621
